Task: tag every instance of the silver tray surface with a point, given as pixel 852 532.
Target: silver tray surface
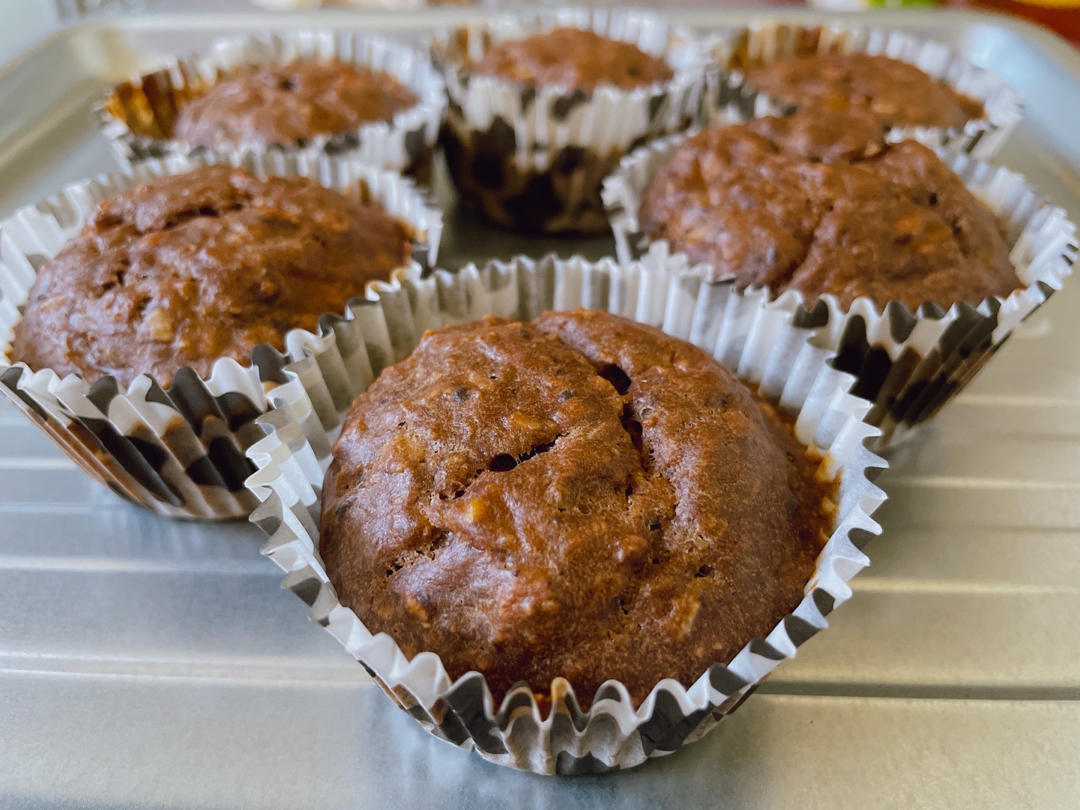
pixel 145 662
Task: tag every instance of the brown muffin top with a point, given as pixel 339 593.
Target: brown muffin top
pixel 193 267
pixel 574 58
pixel 813 203
pixel 288 104
pixel 580 496
pixel 886 91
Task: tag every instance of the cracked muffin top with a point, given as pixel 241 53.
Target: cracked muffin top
pixel 818 203
pixel 573 58
pixel 192 267
pixel 878 89
pixel 288 104
pixel 579 496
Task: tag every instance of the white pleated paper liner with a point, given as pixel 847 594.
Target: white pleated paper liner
pixel 909 364
pixel 137 116
pixel 532 158
pixel 728 93
pixel 760 344
pixel 178 451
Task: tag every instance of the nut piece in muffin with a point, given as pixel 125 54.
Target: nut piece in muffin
pixel 580 496
pixel 572 58
pixel 815 202
pixel 289 104
pixel 879 89
pixel 193 267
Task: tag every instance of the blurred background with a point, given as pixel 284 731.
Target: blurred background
pixel 36 18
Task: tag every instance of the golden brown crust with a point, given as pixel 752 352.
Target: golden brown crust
pixel 192 267
pixel 581 496
pixel 289 104
pixel 885 91
pixel 817 203
pixel 572 58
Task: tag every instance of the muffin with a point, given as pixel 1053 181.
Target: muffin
pixel 909 87
pixel 912 266
pixel 518 462
pixel 881 90
pixel 542 108
pixel 190 268
pixel 315 92
pixel 289 104
pixel 579 496
pixel 170 264
pixel 816 203
pixel 572 58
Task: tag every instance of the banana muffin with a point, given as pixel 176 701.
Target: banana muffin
pixel 193 267
pixel 885 91
pixel 579 496
pixel 817 202
pixel 538 117
pixel 288 104
pixel 572 58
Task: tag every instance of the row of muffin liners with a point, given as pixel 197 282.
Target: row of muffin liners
pixel 760 344
pixel 909 364
pixel 728 92
pixel 137 116
pixel 533 158
pixel 178 449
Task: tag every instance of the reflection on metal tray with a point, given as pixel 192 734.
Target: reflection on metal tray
pixel 149 662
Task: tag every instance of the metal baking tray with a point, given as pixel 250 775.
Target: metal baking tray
pixel 146 662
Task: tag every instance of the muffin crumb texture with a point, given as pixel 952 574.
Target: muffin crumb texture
pixel 572 58
pixel 580 496
pixel 877 89
pixel 289 104
pixel 189 268
pixel 817 202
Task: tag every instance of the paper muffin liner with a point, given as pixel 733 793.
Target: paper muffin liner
pixel 909 364
pixel 533 158
pixel 728 93
pixel 177 450
pixel 760 344
pixel 137 116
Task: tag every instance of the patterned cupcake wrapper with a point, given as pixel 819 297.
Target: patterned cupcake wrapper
pixel 178 451
pixel 137 116
pixel 728 95
pixel 909 364
pixel 759 343
pixel 533 158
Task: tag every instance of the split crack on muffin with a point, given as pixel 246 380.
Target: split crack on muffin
pixel 581 497
pixel 819 203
